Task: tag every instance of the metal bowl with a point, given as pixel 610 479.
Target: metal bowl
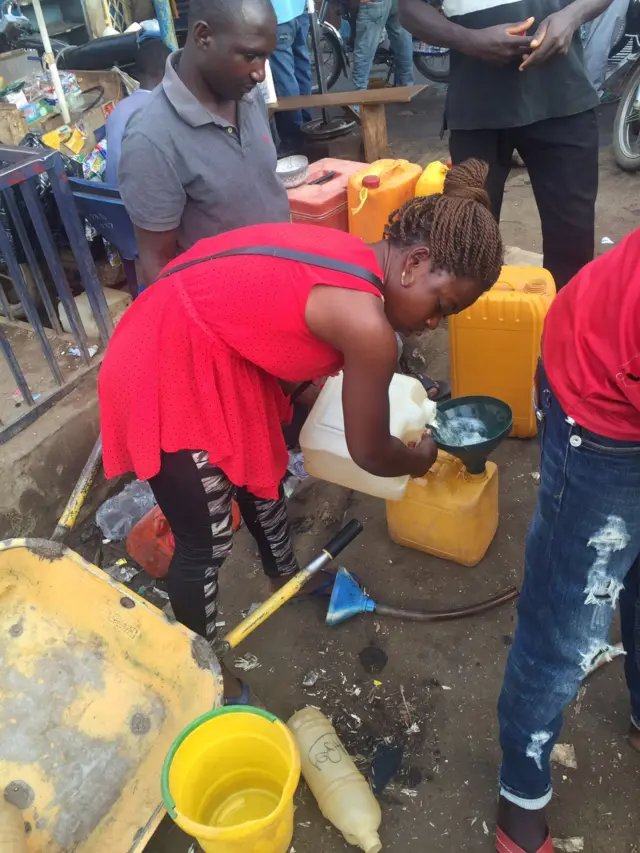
pixel 293 171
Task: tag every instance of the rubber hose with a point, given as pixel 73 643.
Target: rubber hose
pixel 448 615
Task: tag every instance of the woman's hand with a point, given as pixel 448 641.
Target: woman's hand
pixel 425 454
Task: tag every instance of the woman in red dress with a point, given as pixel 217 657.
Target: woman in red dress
pixel 190 388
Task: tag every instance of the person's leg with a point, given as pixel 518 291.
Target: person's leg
pixel 630 624
pixel 301 60
pixel 582 543
pixel 598 40
pixel 561 155
pixel 195 497
pixel 268 523
pixel 401 46
pixel 282 64
pixel 495 148
pixel 372 17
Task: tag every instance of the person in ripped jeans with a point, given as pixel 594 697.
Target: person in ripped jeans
pixel 583 549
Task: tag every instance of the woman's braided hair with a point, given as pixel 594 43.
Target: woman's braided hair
pixel 457 226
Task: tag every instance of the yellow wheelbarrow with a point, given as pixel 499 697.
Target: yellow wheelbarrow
pixel 95 686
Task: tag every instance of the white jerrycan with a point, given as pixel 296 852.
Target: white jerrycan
pixel 324 445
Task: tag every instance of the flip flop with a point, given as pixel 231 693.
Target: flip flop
pixel 505 845
pixel 243 699
pixel 440 385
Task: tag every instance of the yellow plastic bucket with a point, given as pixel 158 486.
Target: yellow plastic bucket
pixel 229 780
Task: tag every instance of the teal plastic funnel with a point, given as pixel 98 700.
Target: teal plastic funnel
pixel 471 428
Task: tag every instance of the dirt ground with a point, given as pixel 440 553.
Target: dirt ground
pixel 449 675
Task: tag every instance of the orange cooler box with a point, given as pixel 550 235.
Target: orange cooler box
pixel 494 345
pixel 326 203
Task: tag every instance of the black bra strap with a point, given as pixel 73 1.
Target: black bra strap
pixel 287 255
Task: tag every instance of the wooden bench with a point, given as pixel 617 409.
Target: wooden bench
pixel 372 103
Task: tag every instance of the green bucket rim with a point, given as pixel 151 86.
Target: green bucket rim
pixel 167 799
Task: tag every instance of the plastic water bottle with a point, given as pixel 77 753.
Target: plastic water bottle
pixel 342 792
pixel 13 838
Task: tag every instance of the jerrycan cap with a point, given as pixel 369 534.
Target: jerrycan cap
pixel 371 182
pixel 535 285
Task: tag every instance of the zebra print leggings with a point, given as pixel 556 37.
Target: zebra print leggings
pixel 196 499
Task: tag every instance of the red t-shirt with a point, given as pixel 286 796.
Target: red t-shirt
pixel 591 345
pixel 195 361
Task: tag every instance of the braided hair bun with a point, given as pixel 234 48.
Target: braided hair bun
pixel 457 226
pixel 467 181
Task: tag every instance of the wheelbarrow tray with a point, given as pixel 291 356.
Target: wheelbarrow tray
pixel 95 685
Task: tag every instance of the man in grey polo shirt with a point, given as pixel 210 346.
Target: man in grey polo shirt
pixel 199 159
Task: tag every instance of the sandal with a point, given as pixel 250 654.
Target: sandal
pixel 243 699
pixel 440 386
pixel 505 845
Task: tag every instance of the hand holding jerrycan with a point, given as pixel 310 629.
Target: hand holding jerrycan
pixel 341 791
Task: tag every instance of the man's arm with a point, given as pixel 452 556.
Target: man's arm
pixel 499 44
pixel 154 197
pixel 554 35
pixel 155 250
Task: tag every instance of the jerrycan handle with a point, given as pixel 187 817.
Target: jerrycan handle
pixel 430 411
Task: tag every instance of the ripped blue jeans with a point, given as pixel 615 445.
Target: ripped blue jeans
pixel 582 558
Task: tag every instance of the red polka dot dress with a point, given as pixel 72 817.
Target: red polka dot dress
pixel 195 361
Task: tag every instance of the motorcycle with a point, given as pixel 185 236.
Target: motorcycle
pixel 626 126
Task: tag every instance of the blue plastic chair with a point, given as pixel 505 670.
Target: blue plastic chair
pixel 102 206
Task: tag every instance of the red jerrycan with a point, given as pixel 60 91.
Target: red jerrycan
pixel 151 542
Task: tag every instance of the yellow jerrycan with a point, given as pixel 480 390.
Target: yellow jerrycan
pixel 449 513
pixel 375 192
pixel 452 512
pixel 431 181
pixel 494 345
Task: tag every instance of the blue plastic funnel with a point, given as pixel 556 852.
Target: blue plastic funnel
pixel 347 599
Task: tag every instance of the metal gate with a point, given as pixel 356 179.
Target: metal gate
pixel 40 281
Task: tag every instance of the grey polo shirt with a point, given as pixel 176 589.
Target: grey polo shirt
pixel 181 166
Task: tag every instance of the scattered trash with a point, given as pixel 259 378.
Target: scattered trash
pixel 446 687
pixel 220 624
pixel 580 699
pixel 310 678
pixel 565 754
pixel 413 729
pixel 247 662
pixel 118 515
pixel 122 572
pixel 377 683
pixel 535 476
pixel 606 241
pixel 569 845
pixel 409 792
pixel 162 594
pixel 76 352
pixel 485 828
pixel 18 397
pixel 373 659
pixel 386 763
